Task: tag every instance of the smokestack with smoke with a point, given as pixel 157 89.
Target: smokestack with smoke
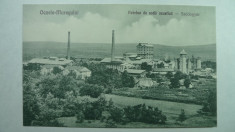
pixel 68 48
pixel 113 46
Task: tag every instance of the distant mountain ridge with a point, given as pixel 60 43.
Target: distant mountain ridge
pixel 101 50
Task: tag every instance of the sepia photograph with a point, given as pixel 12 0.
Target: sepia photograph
pixel 119 66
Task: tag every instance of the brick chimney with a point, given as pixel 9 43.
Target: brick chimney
pixel 113 46
pixel 68 48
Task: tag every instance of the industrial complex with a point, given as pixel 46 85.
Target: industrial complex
pixel 129 62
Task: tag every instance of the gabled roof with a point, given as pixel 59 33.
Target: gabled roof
pixel 163 70
pixel 52 66
pixel 134 71
pixel 51 61
pixel 77 68
pixel 108 60
pixel 145 44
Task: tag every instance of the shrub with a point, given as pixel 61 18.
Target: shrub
pixel 141 113
pixel 91 90
pixel 182 116
pixel 56 70
pixel 80 117
pixel 110 124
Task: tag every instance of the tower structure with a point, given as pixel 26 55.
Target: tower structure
pixel 113 46
pixel 199 63
pixel 68 48
pixel 183 63
pixel 145 50
pixel 189 65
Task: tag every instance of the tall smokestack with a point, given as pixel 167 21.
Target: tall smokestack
pixel 113 46
pixel 68 48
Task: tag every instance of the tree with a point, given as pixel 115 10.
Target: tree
pixel 179 75
pixel 175 80
pixel 50 109
pixel 91 90
pixel 161 65
pixel 175 83
pixel 110 124
pixel 142 113
pixel 182 116
pixel 30 104
pixel 145 66
pixel 187 82
pixel 116 114
pixel 127 80
pixel 110 104
pixel 169 75
pixel 56 70
pixel 80 116
pixel 93 110
pixel 210 105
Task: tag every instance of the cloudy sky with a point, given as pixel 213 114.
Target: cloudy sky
pixel 94 24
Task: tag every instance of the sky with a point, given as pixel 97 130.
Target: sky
pixel 94 24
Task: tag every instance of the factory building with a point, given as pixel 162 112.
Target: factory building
pixel 183 62
pixel 145 50
pixel 51 61
pixel 187 65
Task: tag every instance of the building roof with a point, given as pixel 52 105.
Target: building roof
pixel 163 70
pixel 183 52
pixel 127 65
pixel 51 66
pixel 48 61
pixel 129 54
pixel 134 71
pixel 140 61
pixel 108 60
pixel 145 44
pixel 146 82
pixel 77 68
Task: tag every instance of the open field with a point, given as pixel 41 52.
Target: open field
pixel 165 106
pixel 100 50
pixel 196 95
pixel 170 109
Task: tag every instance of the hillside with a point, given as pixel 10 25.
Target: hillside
pixel 40 49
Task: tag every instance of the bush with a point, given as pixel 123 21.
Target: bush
pixel 210 105
pixel 187 82
pixel 182 116
pixel 110 124
pixel 141 113
pixel 56 70
pixel 80 117
pixel 91 90
pixel 116 114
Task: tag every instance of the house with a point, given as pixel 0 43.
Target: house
pixel 80 72
pixel 136 73
pixel 47 69
pixel 144 82
pixel 163 70
pixel 51 61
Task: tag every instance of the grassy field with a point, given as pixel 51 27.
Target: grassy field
pixel 165 106
pixel 170 109
pixel 84 50
pixel 196 95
